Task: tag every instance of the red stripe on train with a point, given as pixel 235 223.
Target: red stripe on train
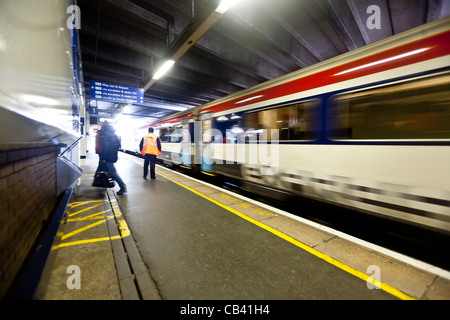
pixel 417 51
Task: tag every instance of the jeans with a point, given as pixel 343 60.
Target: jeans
pixel 115 175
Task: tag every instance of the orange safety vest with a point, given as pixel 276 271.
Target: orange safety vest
pixel 150 145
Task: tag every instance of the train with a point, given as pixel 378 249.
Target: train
pixel 368 130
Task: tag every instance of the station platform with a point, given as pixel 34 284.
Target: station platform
pixel 176 238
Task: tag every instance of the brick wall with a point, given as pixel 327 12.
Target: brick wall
pixel 27 200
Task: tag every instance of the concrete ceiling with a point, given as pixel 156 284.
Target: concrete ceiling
pixel 122 42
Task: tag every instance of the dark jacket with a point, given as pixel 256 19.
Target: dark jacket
pixel 110 144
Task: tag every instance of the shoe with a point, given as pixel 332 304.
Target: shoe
pixel 145 177
pixel 121 191
pixel 153 178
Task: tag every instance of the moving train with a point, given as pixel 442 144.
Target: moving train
pixel 369 130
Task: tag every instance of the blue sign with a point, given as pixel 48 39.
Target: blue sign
pixel 116 93
pixel 93 110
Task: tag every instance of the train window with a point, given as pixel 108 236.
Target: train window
pixel 164 134
pixel 293 122
pixel 418 109
pixel 174 134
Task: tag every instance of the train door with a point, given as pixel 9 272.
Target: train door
pixel 185 141
pixel 205 143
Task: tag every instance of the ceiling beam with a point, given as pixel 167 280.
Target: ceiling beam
pixel 204 20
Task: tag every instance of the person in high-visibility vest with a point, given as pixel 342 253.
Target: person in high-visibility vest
pixel 150 147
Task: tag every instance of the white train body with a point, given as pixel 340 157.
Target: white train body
pixel 369 129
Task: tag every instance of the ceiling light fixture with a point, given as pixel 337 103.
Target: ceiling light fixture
pixel 225 5
pixel 163 70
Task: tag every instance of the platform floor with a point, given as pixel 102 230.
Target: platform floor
pixel 174 238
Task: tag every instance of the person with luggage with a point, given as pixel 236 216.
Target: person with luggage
pixel 150 147
pixel 110 145
pixel 98 149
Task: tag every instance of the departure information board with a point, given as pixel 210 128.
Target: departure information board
pixel 116 93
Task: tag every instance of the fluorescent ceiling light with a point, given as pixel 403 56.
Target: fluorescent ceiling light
pixel 225 5
pixel 164 68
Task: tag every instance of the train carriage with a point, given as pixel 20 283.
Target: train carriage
pixel 369 129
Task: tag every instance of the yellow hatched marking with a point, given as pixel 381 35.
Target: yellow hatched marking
pixel 75 243
pixel 70 234
pixel 90 217
pixel 84 210
pixel 123 227
pixel 80 203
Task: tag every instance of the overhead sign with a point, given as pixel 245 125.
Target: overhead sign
pixel 116 93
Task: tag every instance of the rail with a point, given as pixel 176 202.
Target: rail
pixel 69 148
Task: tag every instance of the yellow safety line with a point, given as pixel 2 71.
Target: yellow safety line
pixel 123 228
pixel 395 292
pixel 209 174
